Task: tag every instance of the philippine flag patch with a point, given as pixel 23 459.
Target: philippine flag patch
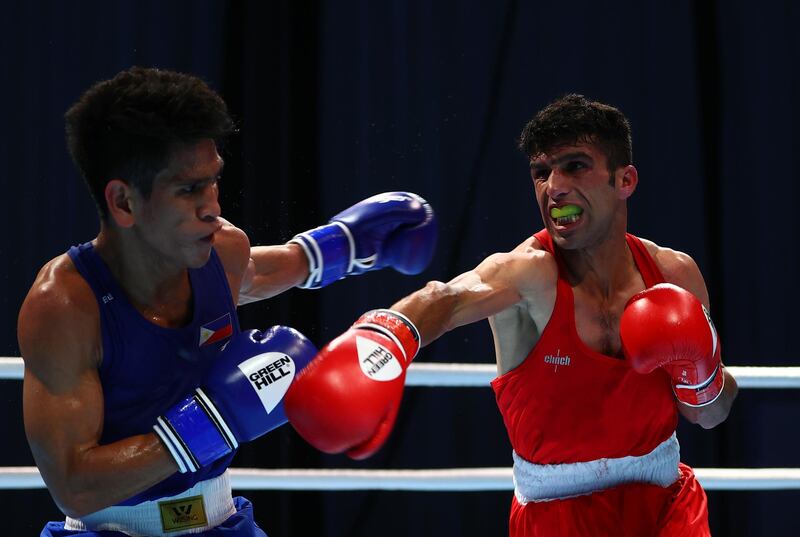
pixel 216 330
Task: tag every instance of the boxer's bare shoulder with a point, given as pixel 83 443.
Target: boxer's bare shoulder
pixel 679 268
pixel 60 312
pixel 533 272
pixel 233 248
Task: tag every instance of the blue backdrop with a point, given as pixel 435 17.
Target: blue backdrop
pixel 340 100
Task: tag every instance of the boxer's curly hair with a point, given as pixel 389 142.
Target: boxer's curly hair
pixel 575 119
pixel 128 127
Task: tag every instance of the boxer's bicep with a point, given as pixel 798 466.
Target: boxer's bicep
pixel 62 395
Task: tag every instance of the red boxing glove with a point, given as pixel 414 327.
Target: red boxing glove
pixel 667 326
pixel 347 398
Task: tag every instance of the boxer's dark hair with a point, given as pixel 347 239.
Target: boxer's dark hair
pixel 128 127
pixel 575 119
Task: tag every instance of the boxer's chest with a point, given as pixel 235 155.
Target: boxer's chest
pixel 597 318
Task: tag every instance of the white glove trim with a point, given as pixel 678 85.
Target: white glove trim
pixel 314 268
pixel 713 329
pixel 174 446
pixel 366 263
pixel 352 261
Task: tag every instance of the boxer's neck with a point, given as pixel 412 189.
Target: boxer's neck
pixel 159 290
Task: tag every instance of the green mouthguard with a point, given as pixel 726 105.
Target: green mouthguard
pixel 566 210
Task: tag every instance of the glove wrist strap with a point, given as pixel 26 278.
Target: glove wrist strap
pixel 194 433
pixel 398 325
pixel 330 251
pixel 702 394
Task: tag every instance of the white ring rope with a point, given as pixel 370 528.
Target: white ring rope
pixel 476 375
pixel 453 479
pixel 479 375
pixel 450 479
pixel 11 367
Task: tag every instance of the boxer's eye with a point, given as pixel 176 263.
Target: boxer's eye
pixel 189 189
pixel 574 165
pixel 195 187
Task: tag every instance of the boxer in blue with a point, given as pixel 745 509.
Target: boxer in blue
pixel 139 385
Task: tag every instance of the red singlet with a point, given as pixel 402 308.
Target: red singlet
pixel 567 403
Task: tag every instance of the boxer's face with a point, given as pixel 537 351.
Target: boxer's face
pixel 181 217
pixel 577 195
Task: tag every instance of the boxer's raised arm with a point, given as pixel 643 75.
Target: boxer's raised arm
pixel 258 272
pixel 392 229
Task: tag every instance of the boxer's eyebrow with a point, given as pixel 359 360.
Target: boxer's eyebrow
pixel 572 155
pixel 180 177
pixel 538 165
pixel 545 164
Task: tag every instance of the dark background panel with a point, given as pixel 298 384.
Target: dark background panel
pixel 337 101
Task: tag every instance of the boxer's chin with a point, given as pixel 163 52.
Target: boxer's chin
pixel 199 255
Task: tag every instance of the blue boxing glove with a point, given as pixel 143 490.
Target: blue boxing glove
pixel 393 229
pixel 241 398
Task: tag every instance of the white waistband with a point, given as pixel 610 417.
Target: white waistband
pixel 145 519
pixel 545 482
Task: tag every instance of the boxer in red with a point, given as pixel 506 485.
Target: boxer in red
pixel 602 339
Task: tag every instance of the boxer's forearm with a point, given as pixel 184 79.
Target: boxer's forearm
pixel 440 307
pixel 430 309
pixel 271 271
pixel 101 476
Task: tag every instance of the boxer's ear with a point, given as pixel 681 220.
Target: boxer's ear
pixel 118 195
pixel 625 180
